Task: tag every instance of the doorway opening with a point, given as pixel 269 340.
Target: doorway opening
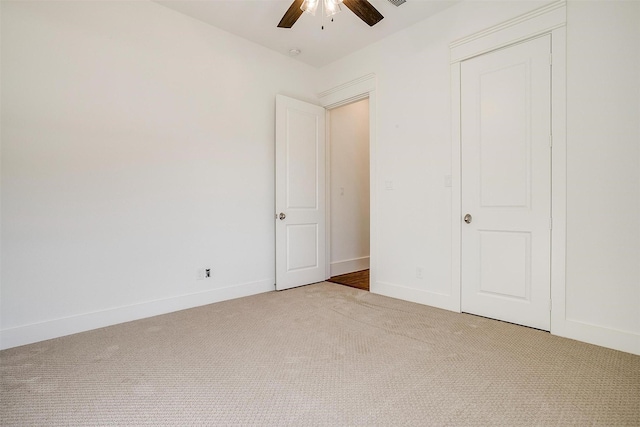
pixel 348 158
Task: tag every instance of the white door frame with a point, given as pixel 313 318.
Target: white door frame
pixel 355 90
pixel 550 19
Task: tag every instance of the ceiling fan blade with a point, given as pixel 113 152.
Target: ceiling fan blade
pixel 291 15
pixel 365 11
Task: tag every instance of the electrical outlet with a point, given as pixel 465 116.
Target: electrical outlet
pixel 207 273
pixel 419 273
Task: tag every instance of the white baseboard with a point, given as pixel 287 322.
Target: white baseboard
pixel 85 322
pixel 433 299
pixel 349 266
pixel 626 341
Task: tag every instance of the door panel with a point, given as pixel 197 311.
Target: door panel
pixel 504 168
pixel 302 146
pixel 506 183
pixel 511 251
pixel 300 193
pixel 304 238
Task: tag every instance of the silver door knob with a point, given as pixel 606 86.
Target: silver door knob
pixel 282 216
pixel 468 218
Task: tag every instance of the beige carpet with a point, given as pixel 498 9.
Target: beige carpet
pixel 323 354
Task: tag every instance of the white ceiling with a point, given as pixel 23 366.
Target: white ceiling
pixel 257 20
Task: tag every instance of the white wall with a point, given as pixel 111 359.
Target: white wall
pixel 349 140
pixel 413 150
pixel 137 146
pixel 603 165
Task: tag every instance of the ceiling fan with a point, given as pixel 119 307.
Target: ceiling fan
pixel 362 8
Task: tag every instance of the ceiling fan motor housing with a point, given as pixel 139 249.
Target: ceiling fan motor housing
pixel 397 2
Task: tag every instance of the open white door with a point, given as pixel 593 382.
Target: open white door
pixel 300 193
pixel 506 184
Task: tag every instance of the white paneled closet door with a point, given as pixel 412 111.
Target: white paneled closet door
pixel 506 183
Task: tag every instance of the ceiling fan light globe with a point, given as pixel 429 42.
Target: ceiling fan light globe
pixel 331 8
pixel 310 6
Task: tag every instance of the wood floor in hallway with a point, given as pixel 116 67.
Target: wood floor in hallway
pixel 357 279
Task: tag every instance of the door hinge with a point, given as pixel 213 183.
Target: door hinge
pixel 551 59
